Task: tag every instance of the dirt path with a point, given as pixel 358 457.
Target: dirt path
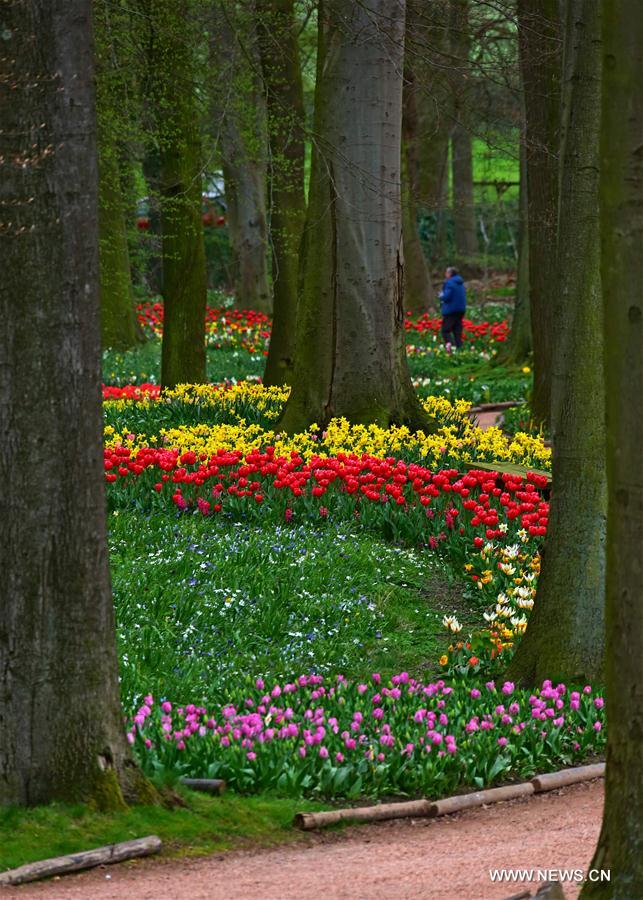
pixel 447 858
pixel 489 419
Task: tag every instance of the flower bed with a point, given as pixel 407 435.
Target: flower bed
pixel 190 418
pixel 250 330
pixel 238 329
pixel 477 506
pixel 337 738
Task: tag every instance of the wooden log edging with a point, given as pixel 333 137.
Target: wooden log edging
pixel 481 798
pixel 379 812
pixel 458 803
pixel 493 407
pixel 87 859
pixel 205 785
pixel 553 780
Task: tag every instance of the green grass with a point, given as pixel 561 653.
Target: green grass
pixel 203 825
pixel 200 601
pixel 466 377
pixel 143 363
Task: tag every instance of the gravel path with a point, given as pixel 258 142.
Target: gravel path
pixel 447 858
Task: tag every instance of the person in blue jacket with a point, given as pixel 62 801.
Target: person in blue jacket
pixel 453 300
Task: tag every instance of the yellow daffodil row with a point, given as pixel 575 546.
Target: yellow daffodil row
pixel 458 440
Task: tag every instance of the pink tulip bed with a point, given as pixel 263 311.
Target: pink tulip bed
pixel 339 738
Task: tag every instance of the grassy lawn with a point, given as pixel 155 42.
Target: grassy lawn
pixel 203 825
pixel 203 600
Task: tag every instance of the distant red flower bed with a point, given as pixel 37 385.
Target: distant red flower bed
pixel 496 332
pixel 131 391
pixel 249 330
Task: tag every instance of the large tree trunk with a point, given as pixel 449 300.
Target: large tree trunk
pixel 241 108
pixel 418 291
pixel 464 213
pixel 279 49
pixel 61 727
pixel 184 270
pixel 350 359
pixel 620 846
pixel 118 318
pixel 565 637
pixel 540 64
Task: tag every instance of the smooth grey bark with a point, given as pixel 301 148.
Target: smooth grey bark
pixel 540 65
pixel 464 213
pixel 620 846
pixel 565 638
pixel 240 109
pixel 279 49
pixel 350 359
pixel 61 727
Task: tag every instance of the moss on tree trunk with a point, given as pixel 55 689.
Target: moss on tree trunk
pixel 540 65
pixel 281 69
pixel 620 846
pixel 184 271
pixel 519 344
pixel 118 317
pixel 565 636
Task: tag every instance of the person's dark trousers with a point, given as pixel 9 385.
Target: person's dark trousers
pixel 452 328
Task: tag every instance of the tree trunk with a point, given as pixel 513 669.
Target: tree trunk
pixel 620 846
pixel 184 270
pixel 118 318
pixel 540 64
pixel 427 50
pixel 565 637
pixel 286 118
pixel 418 291
pixel 350 359
pixel 464 212
pixel 519 345
pixel 241 109
pixel 61 727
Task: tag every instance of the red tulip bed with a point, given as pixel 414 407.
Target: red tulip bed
pixel 403 500
pixel 250 330
pixel 241 329
pixel 336 738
